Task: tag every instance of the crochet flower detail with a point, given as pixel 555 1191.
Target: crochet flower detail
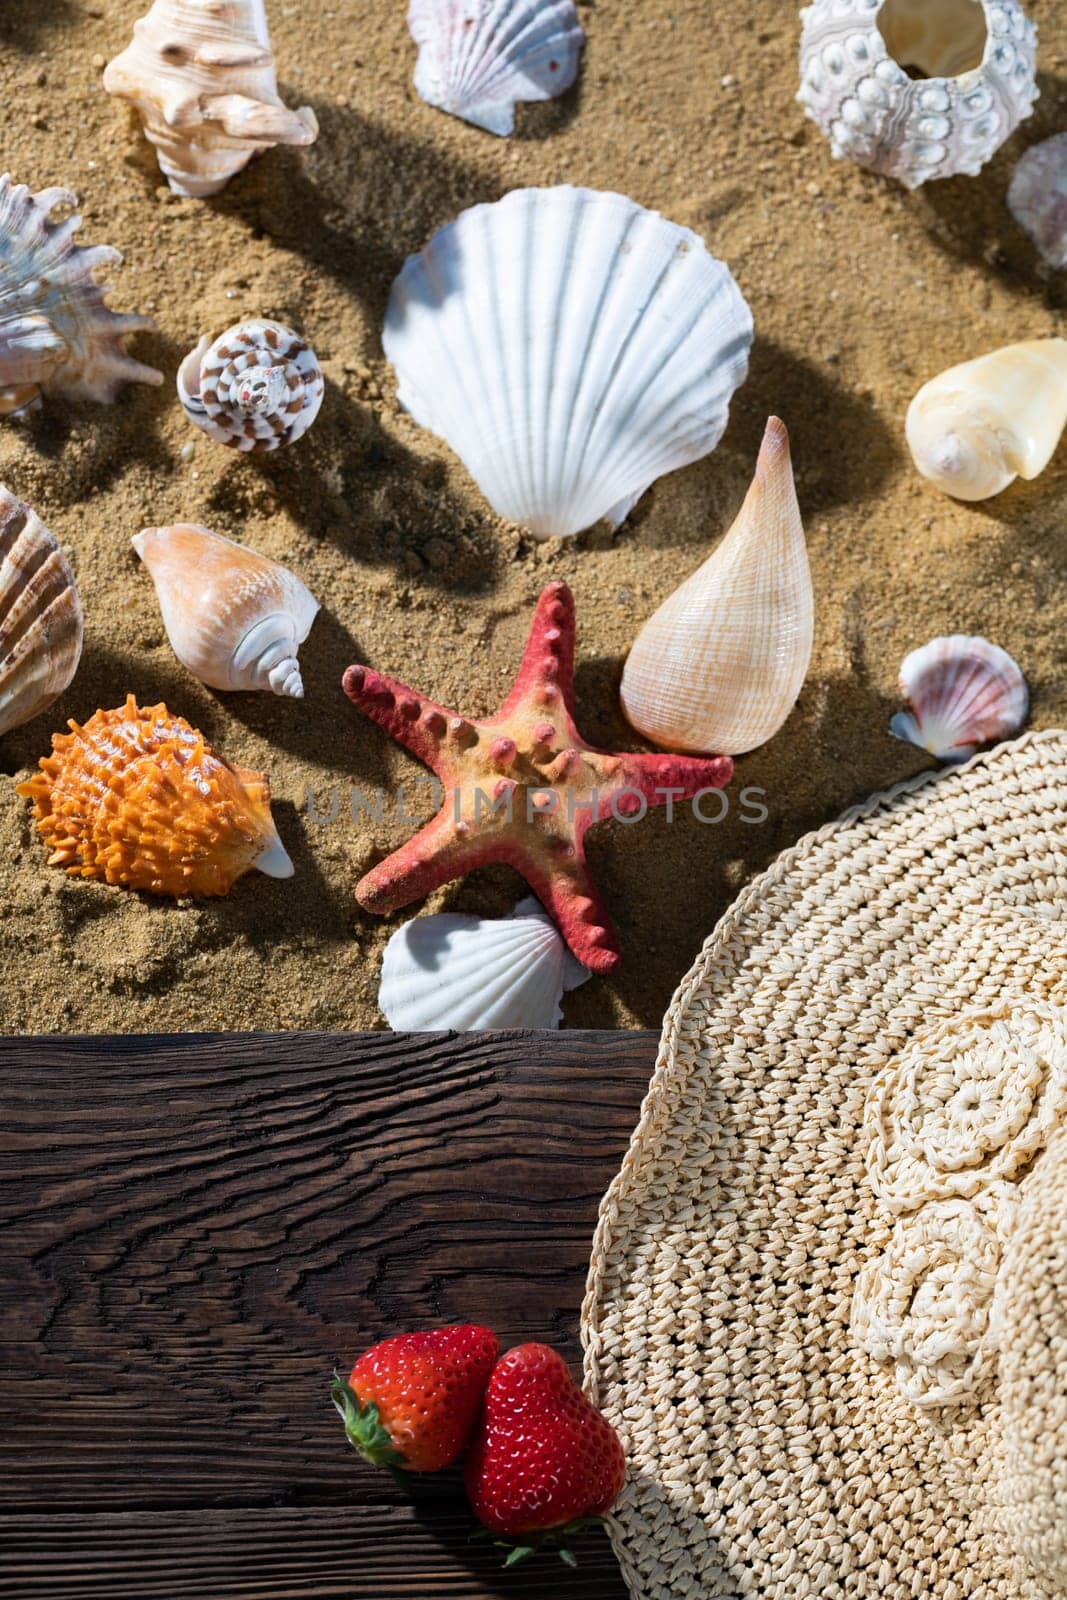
pixel 967 1105
pixel 924 1307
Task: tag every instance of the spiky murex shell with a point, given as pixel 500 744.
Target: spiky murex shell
pixel 57 335
pixel 136 797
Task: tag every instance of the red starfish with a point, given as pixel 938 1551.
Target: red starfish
pixel 521 787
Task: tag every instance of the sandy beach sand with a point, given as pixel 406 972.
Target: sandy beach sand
pixel 860 292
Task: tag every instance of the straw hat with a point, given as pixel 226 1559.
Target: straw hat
pixel 827 1307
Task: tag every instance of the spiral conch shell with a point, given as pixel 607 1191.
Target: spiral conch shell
pixel 57 335
pixel 721 663
pixel 201 76
pixel 40 616
pixel 234 618
pixel 258 386
pixel 977 427
pixel 136 797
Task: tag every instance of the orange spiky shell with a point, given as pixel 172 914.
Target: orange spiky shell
pixel 136 797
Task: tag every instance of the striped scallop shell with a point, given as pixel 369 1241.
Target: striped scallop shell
pixel 975 81
pixel 137 797
pixel 964 692
pixel 571 347
pixel 257 387
pixel 40 616
pixel 477 58
pixel 471 973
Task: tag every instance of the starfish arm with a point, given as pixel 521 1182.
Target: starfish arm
pixel 433 856
pixel 547 671
pixel 566 890
pixel 428 730
pixel 659 778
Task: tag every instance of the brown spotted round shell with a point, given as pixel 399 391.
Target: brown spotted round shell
pixel 258 387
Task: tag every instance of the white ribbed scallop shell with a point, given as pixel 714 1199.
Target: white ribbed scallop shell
pixel 40 615
pixel 257 387
pixel 57 334
pixel 469 973
pixel 964 692
pixel 234 618
pixel 913 129
pixel 571 347
pixel 477 58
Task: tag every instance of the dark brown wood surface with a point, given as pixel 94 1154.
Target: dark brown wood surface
pixel 194 1230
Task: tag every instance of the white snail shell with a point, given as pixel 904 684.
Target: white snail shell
pixel 258 386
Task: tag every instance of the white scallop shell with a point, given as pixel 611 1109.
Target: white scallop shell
pixel 470 973
pixel 571 347
pixel 964 692
pixel 256 387
pixel 57 335
pixel 720 665
pixel 40 615
pixel 978 59
pixel 1037 198
pixel 201 76
pixel 477 58
pixel 977 427
pixel 234 618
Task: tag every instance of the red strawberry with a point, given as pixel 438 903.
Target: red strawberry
pixel 412 1401
pixel 542 1458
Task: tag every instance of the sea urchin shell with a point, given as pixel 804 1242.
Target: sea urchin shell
pixel 136 797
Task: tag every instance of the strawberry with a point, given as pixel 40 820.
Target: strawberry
pixel 412 1401
pixel 542 1459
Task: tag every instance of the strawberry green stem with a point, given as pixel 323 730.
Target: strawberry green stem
pixel 366 1432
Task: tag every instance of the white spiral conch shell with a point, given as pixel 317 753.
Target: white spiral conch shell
pixel 721 663
pixel 234 618
pixel 470 973
pixel 257 386
pixel 201 76
pixel 977 427
pixel 975 81
pixel 477 58
pixel 57 335
pixel 964 692
pixel 41 624
pixel 1037 198
pixel 571 347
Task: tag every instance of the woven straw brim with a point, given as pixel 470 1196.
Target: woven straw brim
pixel 770 1453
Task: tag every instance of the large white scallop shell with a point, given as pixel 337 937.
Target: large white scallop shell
pixel 1037 198
pixel 571 347
pixel 977 427
pixel 40 615
pixel 470 973
pixel 975 81
pixel 57 335
pixel 201 76
pixel 234 618
pixel 721 663
pixel 257 386
pixel 964 692
pixel 477 58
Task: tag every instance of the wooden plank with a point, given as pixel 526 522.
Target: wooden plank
pixel 194 1230
pixel 381 1553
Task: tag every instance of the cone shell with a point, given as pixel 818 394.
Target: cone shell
pixel 40 616
pixel 1037 198
pixel 136 797
pixel 477 58
pixel 975 81
pixel 234 618
pixel 721 663
pixel 571 347
pixel 977 427
pixel 258 386
pixel 57 335
pixel 200 74
pixel 964 692
pixel 471 973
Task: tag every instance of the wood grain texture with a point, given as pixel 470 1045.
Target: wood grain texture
pixel 194 1230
